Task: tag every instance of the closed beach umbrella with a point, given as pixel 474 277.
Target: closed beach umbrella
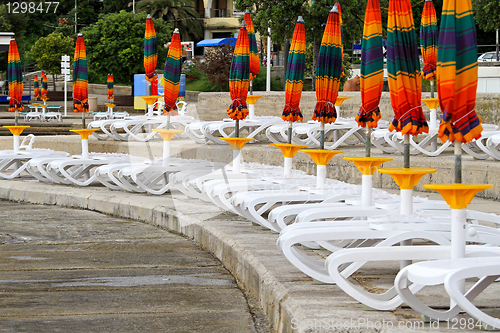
pixel 372 71
pixel 405 79
pixel 295 76
pixel 150 50
pixel 15 77
pixel 239 78
pixel 372 66
pixel 172 74
pixel 429 40
pixel 328 72
pixel 80 79
pixel 254 52
pixel 457 75
pixel 37 88
pixel 45 86
pixel 110 84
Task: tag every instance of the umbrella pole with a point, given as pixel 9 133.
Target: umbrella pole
pixel 290 125
pixel 432 88
pixel 83 119
pixel 322 135
pixel 168 120
pixel 458 162
pixel 237 129
pixel 16 121
pixel 368 142
pixel 251 87
pixel 406 150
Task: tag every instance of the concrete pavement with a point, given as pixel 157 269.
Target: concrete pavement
pixel 68 270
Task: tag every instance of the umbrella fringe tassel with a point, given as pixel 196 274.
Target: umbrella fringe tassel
pixel 291 115
pixel 238 110
pixel 370 118
pixel 325 112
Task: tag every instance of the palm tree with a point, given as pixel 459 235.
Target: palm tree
pixel 181 12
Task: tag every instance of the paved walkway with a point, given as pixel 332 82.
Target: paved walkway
pixel 68 270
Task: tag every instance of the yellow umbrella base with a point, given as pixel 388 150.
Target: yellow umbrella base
pixel 367 165
pixel 288 150
pixel 407 178
pixel 321 156
pixel 237 143
pixel 167 134
pixel 458 196
pixel 16 130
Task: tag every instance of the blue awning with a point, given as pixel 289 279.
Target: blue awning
pixel 217 42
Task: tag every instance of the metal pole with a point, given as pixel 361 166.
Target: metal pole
pixel 133 6
pixel 407 150
pixel 458 162
pixel 498 46
pixel 65 96
pixel 268 75
pixel 290 128
pixel 368 143
pixel 322 135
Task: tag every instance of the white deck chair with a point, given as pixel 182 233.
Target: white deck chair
pixel 157 178
pixel 342 263
pixel 78 170
pixel 15 164
pixel 256 127
pixel 450 273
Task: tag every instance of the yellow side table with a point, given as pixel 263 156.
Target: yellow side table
pixel 289 151
pixel 321 157
pixel 367 166
pixel 16 132
pixel 458 196
pixel 236 145
pixel 84 135
pixel 167 135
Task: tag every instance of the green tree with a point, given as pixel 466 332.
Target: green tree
pixel 180 12
pixel 47 52
pixel 487 14
pixel 115 44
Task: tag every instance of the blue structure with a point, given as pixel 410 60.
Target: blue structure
pixel 231 41
pixel 182 86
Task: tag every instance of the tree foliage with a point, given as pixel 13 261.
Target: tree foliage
pixel 47 52
pixel 179 12
pixel 487 14
pixel 217 65
pixel 115 44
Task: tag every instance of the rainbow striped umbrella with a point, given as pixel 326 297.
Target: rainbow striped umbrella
pixel 37 88
pixel 110 83
pixel 150 50
pixel 295 73
pixel 457 74
pixel 429 40
pixel 172 74
pixel 328 70
pixel 45 86
pixel 15 74
pixel 239 77
pixel 341 36
pixel 372 66
pixel 403 67
pixel 80 77
pixel 372 71
pixel 254 52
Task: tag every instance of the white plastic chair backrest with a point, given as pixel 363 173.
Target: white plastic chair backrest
pixel 182 106
pixel 27 142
